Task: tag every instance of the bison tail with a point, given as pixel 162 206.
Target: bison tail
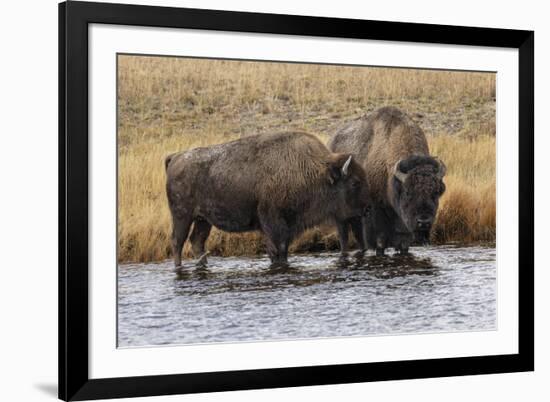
pixel 167 161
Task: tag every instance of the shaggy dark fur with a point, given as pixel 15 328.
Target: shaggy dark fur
pixel 280 184
pixel 404 181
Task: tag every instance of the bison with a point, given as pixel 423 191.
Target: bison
pixel 404 181
pixel 279 184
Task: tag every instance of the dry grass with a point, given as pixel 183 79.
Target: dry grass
pixel 172 104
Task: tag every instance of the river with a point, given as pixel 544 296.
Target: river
pixel 435 289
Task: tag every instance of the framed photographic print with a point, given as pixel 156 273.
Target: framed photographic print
pixel 258 201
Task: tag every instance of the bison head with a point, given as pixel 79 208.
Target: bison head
pixel 417 186
pixel 348 180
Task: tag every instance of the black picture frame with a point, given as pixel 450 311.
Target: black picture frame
pixel 74 381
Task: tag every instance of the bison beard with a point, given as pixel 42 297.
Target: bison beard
pixel 279 184
pixel 405 182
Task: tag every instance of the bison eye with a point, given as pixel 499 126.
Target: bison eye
pixel 441 189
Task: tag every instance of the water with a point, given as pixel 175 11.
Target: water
pixel 438 289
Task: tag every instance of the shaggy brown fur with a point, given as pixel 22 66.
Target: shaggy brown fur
pixel 280 184
pixel 404 181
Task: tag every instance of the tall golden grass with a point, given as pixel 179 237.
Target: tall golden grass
pixel 170 104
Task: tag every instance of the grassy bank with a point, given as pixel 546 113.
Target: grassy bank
pixel 172 104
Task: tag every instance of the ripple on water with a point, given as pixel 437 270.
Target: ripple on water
pixel 436 289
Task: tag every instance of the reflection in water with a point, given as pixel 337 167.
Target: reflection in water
pixel 390 266
pixel 275 276
pixel 432 289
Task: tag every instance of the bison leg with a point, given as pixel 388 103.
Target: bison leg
pixel 278 237
pixel 381 244
pixel 401 241
pixel 370 232
pixel 377 230
pixel 277 248
pixel 358 230
pixel 198 237
pixel 180 230
pixel 283 250
pixel 343 235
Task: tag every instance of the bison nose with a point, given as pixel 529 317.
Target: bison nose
pixel 423 222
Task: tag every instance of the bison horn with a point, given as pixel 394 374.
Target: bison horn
pixel 442 168
pixel 346 166
pixel 399 175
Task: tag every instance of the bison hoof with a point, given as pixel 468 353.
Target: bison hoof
pixel 203 260
pixel 359 254
pixel 278 266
